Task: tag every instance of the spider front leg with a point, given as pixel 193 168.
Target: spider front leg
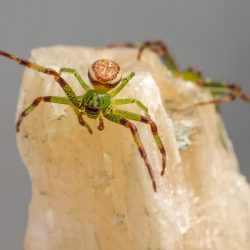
pixel 73 100
pixel 154 130
pixel 120 120
pixel 121 85
pixel 51 99
pixel 63 84
pixel 77 76
pixel 131 101
pixel 36 102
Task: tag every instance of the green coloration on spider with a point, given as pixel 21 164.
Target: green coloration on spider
pixel 131 101
pixel 97 103
pixel 77 76
pixel 221 92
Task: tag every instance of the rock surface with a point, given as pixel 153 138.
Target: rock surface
pixel 92 192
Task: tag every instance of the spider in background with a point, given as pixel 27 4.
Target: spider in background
pixel 222 92
pixel 106 78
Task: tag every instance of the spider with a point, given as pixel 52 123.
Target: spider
pixel 107 81
pixel 222 92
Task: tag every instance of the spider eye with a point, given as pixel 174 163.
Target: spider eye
pixel 105 73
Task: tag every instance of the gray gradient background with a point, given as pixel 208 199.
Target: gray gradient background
pixel 214 35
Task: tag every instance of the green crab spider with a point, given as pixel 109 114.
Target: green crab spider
pixel 106 78
pixel 222 92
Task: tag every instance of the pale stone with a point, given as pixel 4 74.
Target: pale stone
pixel 92 192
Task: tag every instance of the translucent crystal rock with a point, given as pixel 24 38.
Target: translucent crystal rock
pixel 92 192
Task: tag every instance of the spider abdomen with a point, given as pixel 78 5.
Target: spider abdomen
pixel 95 102
pixel 104 74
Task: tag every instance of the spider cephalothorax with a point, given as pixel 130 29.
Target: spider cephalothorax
pixel 106 78
pixel 94 102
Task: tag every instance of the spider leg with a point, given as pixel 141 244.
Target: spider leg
pixel 101 123
pixel 52 99
pixel 120 120
pixel 155 45
pixel 64 85
pixel 123 45
pixel 82 121
pixel 236 91
pixel 122 85
pixel 158 46
pixel 36 102
pixel 224 93
pixel 193 75
pixel 131 101
pixel 77 76
pixel 224 99
pixel 154 130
